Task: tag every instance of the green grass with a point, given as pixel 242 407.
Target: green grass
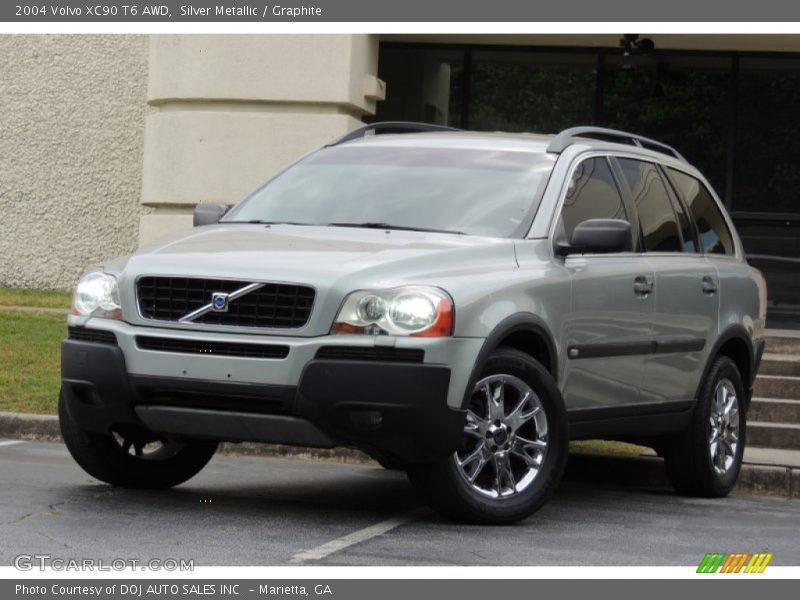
pixel 10 296
pixel 30 368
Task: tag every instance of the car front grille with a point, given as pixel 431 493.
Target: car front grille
pixel 181 346
pixel 272 305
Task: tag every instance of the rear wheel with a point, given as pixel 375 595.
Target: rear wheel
pixel 513 450
pixel 133 457
pixel 705 460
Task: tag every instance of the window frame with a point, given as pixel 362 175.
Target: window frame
pixel 565 183
pixel 678 201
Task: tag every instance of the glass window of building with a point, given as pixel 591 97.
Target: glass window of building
pixel 531 91
pixel 423 84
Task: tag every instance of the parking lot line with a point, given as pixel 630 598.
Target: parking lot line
pixel 11 442
pixel 362 535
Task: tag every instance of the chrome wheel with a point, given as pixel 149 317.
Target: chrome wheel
pixel 723 437
pixel 505 437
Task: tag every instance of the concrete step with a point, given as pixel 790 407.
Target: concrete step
pixel 777 386
pixel 771 456
pixel 786 343
pixel 772 410
pixel 780 364
pixel 773 435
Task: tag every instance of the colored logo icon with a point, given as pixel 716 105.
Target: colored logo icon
pixel 739 562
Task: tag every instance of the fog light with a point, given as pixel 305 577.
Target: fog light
pixel 366 419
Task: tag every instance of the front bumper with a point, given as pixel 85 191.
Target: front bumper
pixel 395 409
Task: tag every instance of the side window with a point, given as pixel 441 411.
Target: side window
pixel 592 194
pixel 714 233
pixel 656 214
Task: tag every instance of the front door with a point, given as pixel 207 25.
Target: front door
pixel 608 332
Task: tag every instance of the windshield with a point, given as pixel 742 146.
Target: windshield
pixel 477 192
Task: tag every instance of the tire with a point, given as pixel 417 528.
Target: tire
pixel 490 499
pixel 120 458
pixel 387 462
pixel 688 458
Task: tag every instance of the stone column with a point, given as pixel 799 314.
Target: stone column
pixel 228 111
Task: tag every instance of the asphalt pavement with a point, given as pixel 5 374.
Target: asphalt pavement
pixel 274 511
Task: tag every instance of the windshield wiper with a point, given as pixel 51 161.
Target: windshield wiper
pixel 367 225
pixel 370 225
pixel 260 222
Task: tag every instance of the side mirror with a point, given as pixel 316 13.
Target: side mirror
pixel 208 214
pixel 598 236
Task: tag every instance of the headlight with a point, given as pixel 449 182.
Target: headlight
pixel 416 311
pixel 97 295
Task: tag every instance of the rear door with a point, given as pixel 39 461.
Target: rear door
pixel 686 287
pixel 607 331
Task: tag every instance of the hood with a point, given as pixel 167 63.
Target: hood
pixel 295 253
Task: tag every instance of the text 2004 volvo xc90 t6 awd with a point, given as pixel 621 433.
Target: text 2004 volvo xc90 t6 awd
pixel 456 304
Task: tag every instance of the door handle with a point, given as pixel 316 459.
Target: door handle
pixel 642 285
pixel 709 285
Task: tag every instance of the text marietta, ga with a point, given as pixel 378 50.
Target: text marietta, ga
pixel 276 10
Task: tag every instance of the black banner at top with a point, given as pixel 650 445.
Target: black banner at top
pixel 440 11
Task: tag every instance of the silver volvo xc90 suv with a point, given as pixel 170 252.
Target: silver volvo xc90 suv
pixel 456 304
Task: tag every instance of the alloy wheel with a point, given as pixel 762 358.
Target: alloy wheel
pixel 505 437
pixel 723 437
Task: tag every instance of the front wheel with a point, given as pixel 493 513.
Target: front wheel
pixel 513 451
pixel 132 457
pixel 705 459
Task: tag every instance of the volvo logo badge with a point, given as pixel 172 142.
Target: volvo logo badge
pixel 219 302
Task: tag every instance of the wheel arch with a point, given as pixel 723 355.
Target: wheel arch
pixel 525 332
pixel 736 344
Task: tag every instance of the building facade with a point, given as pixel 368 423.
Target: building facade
pixel 71 137
pixel 188 119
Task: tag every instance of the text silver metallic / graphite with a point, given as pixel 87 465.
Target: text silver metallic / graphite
pixel 250 10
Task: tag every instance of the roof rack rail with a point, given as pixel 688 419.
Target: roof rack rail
pixel 399 126
pixel 567 137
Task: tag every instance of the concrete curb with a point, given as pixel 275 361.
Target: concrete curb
pixel 29 427
pixel 649 471
pixel 639 471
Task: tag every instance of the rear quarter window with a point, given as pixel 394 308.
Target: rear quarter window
pixel 712 229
